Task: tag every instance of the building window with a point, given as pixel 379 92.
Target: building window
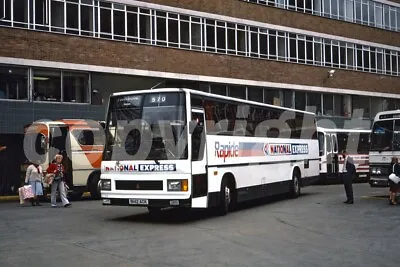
pixel 75 87
pixel 105 20
pixel 237 91
pixel 13 83
pixel 255 94
pixel 272 96
pixel 46 85
pixel 328 105
pixel 300 100
pixel 314 103
pixel 157 27
pixel 57 15
pixel 361 103
pixel 288 99
pixel 119 21
pixel 338 105
pixel 184 34
pixel 358 11
pixel 219 89
pixel 389 104
pixel 88 15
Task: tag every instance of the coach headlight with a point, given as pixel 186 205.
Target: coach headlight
pixel 106 184
pixel 376 171
pixel 177 185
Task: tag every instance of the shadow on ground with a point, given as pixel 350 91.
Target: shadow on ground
pixel 182 216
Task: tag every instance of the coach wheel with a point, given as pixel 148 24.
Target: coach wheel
pixel 295 185
pixel 225 197
pixel 94 186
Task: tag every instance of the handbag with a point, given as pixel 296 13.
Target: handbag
pixel 48 179
pixel 393 177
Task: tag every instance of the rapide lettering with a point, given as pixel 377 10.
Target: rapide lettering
pixel 226 150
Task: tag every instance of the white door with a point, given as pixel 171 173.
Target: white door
pixel 197 129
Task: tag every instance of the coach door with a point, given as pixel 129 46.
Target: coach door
pixel 332 155
pixel 329 155
pixel 335 161
pixel 60 143
pixel 198 159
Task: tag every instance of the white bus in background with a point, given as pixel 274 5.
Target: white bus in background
pixel 332 142
pixel 240 158
pixel 80 141
pixel 385 144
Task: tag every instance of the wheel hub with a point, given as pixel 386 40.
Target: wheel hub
pixel 227 195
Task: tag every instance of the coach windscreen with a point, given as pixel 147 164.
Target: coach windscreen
pixel 146 127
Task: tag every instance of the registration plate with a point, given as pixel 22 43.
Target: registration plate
pixel 136 201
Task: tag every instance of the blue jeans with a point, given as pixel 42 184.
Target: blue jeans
pixel 61 188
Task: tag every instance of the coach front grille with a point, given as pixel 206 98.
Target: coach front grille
pixel 139 185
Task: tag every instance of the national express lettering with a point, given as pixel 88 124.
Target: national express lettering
pixel 142 168
pixel 285 149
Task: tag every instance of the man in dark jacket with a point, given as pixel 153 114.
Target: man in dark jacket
pixel 348 172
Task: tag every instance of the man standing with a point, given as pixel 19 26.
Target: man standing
pixel 348 172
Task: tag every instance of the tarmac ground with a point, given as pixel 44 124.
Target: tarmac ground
pixel 316 229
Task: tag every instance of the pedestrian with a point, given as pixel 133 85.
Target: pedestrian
pixel 58 182
pixel 34 176
pixel 394 187
pixel 348 173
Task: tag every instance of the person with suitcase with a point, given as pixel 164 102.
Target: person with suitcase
pixel 34 176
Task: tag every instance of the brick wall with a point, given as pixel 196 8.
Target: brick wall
pixel 72 49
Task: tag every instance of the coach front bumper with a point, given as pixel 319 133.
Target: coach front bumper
pixel 379 181
pixel 160 203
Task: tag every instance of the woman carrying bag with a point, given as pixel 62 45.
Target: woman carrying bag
pixel 58 182
pixel 34 176
pixel 394 185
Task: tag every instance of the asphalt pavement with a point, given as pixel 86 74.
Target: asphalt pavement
pixel 316 229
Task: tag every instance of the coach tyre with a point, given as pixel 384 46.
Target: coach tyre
pixel 226 196
pixel 295 184
pixel 94 186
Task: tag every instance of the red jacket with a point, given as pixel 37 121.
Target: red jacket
pixel 53 168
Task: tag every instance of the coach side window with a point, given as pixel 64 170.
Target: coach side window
pixel 264 121
pixel 296 125
pixel 222 116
